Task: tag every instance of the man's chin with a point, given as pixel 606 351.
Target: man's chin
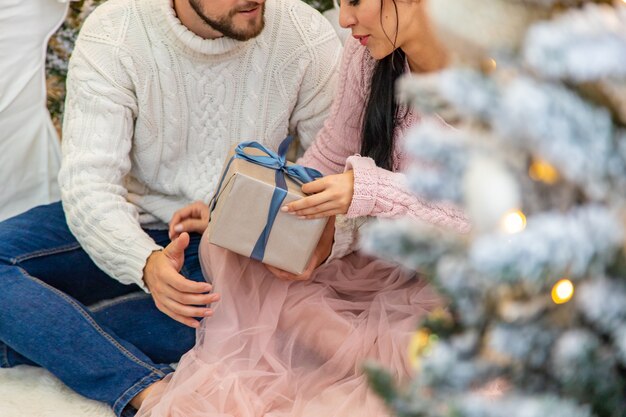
pixel 250 30
pixel 250 25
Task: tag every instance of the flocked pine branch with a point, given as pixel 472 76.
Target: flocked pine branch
pixel 581 242
pixel 581 45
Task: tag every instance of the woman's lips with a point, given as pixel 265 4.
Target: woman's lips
pixel 362 38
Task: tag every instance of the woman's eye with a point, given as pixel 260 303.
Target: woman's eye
pixel 350 2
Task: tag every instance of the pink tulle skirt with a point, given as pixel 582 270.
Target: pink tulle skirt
pixel 295 349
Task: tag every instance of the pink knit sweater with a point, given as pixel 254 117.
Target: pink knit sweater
pixel 377 192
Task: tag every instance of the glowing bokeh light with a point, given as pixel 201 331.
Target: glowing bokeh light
pixel 542 171
pixel 563 291
pixel 513 221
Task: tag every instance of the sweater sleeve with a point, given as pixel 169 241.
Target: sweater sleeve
pixel 382 193
pixel 319 81
pixel 98 131
pixel 340 137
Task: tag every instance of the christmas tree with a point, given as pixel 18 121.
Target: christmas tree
pixel 536 320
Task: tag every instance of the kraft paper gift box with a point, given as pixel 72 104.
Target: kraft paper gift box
pixel 242 208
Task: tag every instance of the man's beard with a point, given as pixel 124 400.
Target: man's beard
pixel 225 26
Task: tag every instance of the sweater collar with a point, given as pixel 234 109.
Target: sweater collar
pixel 178 34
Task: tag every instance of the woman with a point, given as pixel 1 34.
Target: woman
pixel 294 346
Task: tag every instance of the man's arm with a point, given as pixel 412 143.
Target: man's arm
pixel 97 139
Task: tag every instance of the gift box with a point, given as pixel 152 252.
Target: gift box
pixel 245 210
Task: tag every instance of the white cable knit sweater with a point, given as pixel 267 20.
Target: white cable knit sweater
pixel 152 110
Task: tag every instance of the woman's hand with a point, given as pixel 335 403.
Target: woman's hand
pixel 192 218
pixel 321 253
pixel 331 195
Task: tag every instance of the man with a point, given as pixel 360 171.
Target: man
pixel 157 93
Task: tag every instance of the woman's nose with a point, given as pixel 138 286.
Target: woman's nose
pixel 346 15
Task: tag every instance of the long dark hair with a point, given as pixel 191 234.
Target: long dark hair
pixel 381 112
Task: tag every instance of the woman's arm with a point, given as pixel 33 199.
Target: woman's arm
pixel 367 190
pixel 382 193
pixel 340 136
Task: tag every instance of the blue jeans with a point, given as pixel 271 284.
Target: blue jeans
pixel 58 310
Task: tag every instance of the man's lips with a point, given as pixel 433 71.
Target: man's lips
pixel 362 38
pixel 251 10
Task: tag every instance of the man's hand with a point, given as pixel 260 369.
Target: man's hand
pixel 173 294
pixel 322 251
pixel 331 195
pixel 192 218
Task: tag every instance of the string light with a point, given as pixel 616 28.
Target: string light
pixel 541 170
pixel 514 221
pixel 489 65
pixel 562 291
pixel 421 344
pixel 441 315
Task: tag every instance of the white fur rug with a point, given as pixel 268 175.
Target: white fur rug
pixel 26 391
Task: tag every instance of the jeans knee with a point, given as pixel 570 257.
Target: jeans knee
pixel 38 231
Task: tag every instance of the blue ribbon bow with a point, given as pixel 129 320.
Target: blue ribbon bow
pixel 277 162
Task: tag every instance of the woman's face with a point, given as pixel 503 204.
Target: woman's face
pixel 364 18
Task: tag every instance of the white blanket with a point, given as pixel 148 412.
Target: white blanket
pixel 26 391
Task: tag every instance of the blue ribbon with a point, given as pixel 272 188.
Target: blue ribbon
pixel 277 162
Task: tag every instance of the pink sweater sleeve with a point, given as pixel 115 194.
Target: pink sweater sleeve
pixel 382 193
pixel 340 136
